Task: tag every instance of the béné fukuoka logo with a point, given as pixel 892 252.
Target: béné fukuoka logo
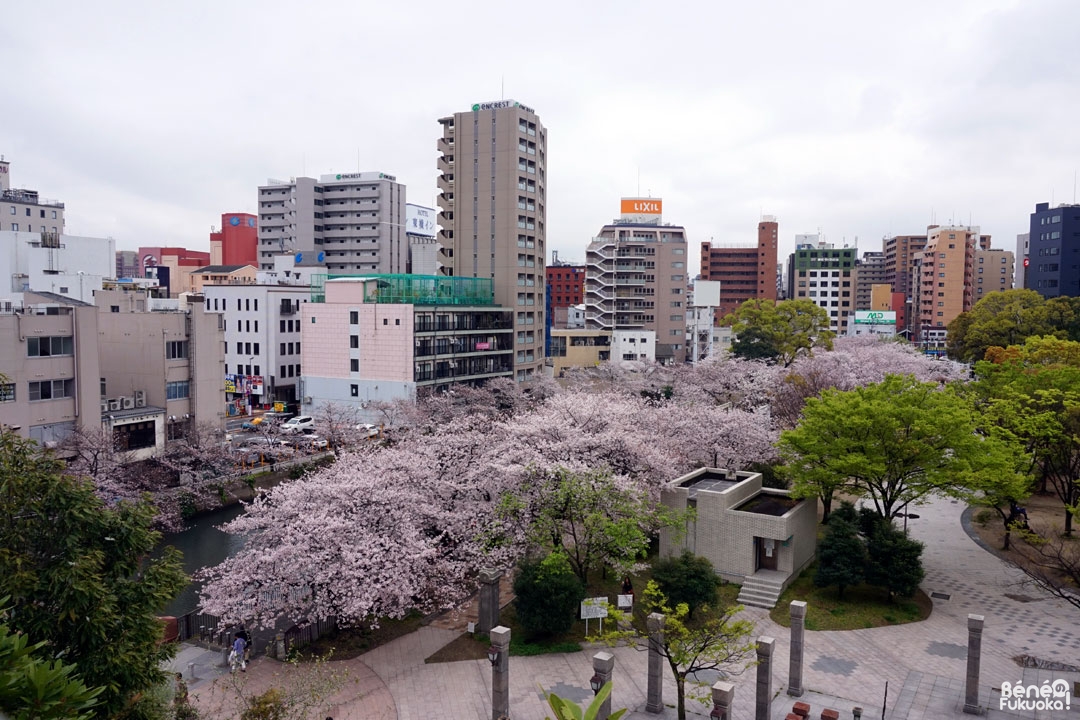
pixel 1048 696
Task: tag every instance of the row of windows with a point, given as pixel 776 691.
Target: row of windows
pixel 289 371
pixel 288 348
pixel 1050 220
pixel 29 228
pixel 13 211
pixel 245 370
pixel 289 325
pixel 50 346
pixel 177 389
pixel 51 390
pixel 1050 251
pixel 241 324
pixel 176 350
pixel 246 349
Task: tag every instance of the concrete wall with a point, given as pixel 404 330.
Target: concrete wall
pixel 322 390
pixel 75 269
pixel 79 323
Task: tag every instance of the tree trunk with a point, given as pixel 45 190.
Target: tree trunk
pixel 1007 534
pixel 680 686
pixel 1068 522
pixel 826 505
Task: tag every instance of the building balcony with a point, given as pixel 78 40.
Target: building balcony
pixel 445 183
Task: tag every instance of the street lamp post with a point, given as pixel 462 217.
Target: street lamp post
pixel 247 385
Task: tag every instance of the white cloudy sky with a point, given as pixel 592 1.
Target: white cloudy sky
pixel 859 118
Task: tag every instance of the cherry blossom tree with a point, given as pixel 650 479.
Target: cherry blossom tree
pixel 698 435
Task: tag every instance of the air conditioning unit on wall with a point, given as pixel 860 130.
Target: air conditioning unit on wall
pixel 114 404
pixel 104 406
pixel 140 398
pixel 127 402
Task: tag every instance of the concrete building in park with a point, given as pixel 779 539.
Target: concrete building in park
pixel 387 337
pixel 1054 245
pixel 744 271
pixel 635 277
pixel 493 212
pixel 755 536
pixel 357 219
pixel 23 210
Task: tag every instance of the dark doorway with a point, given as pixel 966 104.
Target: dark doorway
pixel 766 553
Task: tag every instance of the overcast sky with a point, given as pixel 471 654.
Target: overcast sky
pixel 150 120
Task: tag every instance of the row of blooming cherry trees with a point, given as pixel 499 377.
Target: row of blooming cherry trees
pixel 389 529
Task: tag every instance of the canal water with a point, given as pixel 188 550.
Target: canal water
pixel 203 546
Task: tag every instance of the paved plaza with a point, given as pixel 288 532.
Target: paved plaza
pixel 923 663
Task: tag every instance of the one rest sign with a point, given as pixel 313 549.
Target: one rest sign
pixel 875 317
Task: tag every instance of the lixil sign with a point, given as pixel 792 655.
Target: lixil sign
pixel 642 206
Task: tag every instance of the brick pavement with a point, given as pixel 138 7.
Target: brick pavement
pixel 924 663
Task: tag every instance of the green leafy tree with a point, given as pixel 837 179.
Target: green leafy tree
pixel 894 561
pixel 689 579
pixel 34 687
pixel 841 557
pixel 779 331
pixel 713 640
pixel 1008 318
pixel 595 519
pixel 547 595
pixel 897 442
pixel 1051 561
pixel 566 710
pixel 79 575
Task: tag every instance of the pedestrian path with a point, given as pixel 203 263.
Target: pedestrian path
pixel 923 663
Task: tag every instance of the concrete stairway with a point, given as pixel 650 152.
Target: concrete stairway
pixel 762 589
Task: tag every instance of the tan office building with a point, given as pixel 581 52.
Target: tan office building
pixel 48 355
pixel 744 271
pixel 23 210
pixel 493 180
pixel 945 276
pixel 635 277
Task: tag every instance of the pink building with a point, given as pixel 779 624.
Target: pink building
pixel 383 337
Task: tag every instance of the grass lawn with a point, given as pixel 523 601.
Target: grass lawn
pixel 863 606
pixel 468 647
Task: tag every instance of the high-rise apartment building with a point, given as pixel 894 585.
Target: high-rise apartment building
pixel 744 272
pixel 1054 239
pixel 869 271
pixel 824 274
pixel 355 220
pixel 994 271
pixel 24 210
pixel 945 276
pixel 900 259
pixel 635 277
pixel 493 179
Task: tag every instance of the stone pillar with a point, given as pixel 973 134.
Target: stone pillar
pixel 603 664
pixel 655 695
pixel 723 697
pixel 974 653
pixel 500 674
pixel 763 699
pixel 489 600
pixel 798 621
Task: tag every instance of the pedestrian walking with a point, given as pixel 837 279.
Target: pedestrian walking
pixel 237 656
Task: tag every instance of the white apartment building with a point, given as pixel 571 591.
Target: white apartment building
pixel 356 220
pixel 23 210
pixel 63 264
pixel 262 341
pixel 824 274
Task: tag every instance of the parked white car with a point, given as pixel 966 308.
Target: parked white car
pixel 298 424
pixel 368 430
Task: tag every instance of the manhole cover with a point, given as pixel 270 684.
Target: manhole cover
pixel 941 596
pixel 1020 598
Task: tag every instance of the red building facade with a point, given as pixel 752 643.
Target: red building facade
pixel 237 243
pixel 566 285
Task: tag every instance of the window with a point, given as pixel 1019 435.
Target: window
pixel 239 348
pixel 354 317
pixel 247 326
pixel 256 353
pixel 7 392
pixel 354 390
pixel 282 350
pixel 256 326
pixel 281 326
pixel 176 390
pixel 176 350
pixel 51 390
pixel 397 321
pixel 354 341
pixel 50 346
pixel 282 373
pixel 354 365
pixel 257 371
